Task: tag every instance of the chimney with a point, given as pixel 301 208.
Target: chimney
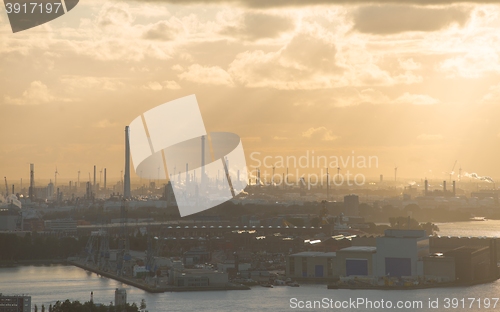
pixel 94 186
pixel 454 188
pixel 32 182
pixel 426 187
pixel 104 178
pixel 444 187
pixel 126 183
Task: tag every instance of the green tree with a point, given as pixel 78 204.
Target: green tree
pixel 143 305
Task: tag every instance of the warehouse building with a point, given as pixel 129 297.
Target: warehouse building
pixel 312 265
pixel 357 261
pixel 400 253
pixel 15 303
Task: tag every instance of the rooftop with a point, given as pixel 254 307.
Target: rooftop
pixel 367 249
pixel 315 254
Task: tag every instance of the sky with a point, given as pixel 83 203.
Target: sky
pixel 414 83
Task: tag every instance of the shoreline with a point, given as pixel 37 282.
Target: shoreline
pixel 149 289
pixel 413 287
pixel 9 264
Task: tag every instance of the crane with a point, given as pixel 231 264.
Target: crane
pixel 6 188
pixel 452 172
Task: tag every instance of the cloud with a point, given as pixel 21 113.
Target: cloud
pixel 430 137
pixel 319 133
pixel 258 25
pixel 156 86
pixel 117 16
pixel 389 19
pixel 409 64
pixel 493 95
pixel 305 63
pixel 207 75
pixel 105 123
pixel 36 94
pixel 416 99
pixel 278 138
pixel 92 82
pixel 163 30
pixel 300 3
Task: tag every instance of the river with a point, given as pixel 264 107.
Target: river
pixel 47 284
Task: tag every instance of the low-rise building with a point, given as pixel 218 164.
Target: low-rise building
pixel 357 261
pixel 15 303
pixel 312 265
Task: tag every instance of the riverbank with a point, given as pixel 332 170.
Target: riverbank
pixel 412 287
pixel 140 285
pixel 14 263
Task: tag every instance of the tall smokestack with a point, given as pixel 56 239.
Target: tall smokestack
pixel 94 186
pixel 444 186
pixel 426 187
pixel 126 183
pixel 32 182
pixel 454 188
pixel 104 178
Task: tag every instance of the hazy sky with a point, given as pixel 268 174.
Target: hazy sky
pixel 416 85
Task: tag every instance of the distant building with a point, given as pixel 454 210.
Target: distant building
pixel 400 253
pixel 15 303
pixel 197 278
pixel 61 225
pixel 10 218
pixel 351 205
pixel 356 260
pixel 312 265
pixel 120 297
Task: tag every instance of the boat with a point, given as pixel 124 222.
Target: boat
pixel 266 285
pixel 478 219
pixel 294 284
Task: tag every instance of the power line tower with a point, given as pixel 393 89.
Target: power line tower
pixel 91 248
pixel 103 261
pixel 123 263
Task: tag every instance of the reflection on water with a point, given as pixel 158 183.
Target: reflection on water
pixel 489 228
pixel 47 284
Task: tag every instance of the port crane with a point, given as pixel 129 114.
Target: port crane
pixel 452 172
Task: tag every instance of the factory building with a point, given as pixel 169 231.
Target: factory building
pixel 15 303
pixel 357 261
pixel 472 264
pixel 439 268
pixel 61 225
pixel 405 254
pixel 400 253
pixel 312 265
pixel 351 205
pixel 10 218
pixel 197 278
